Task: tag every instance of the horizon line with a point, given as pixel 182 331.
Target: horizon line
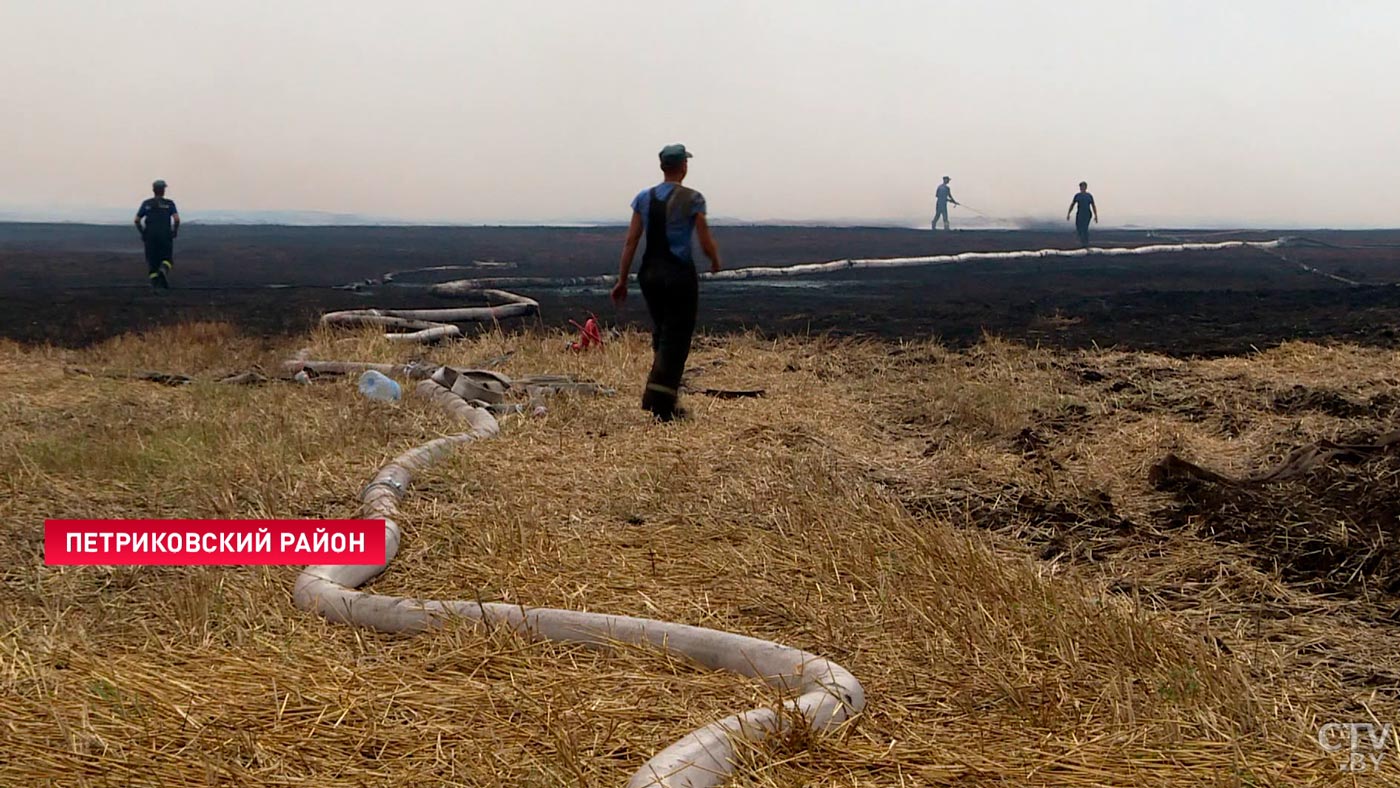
pixel 1026 225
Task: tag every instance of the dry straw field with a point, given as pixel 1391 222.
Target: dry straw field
pixel 976 535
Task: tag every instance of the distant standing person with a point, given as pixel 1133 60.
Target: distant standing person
pixel 668 214
pixel 945 196
pixel 158 222
pixel 1084 203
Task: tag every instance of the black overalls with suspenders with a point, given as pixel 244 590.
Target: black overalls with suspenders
pixel 672 292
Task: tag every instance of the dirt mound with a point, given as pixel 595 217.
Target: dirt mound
pixel 1300 399
pixel 1082 529
pixel 1334 529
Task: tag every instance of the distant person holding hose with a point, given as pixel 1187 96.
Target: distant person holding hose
pixel 667 214
pixel 1084 203
pixel 161 225
pixel 945 196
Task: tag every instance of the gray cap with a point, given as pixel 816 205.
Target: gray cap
pixel 158 185
pixel 675 154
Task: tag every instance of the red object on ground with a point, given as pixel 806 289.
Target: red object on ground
pixel 589 334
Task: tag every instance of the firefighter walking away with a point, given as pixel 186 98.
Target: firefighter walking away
pixel 158 222
pixel 668 215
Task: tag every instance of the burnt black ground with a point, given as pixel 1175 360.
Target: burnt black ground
pixel 77 284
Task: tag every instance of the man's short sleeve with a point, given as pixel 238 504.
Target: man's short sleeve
pixel 697 204
pixel 638 205
pixel 144 209
pixel 173 210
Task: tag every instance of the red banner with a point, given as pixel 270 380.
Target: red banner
pixel 212 542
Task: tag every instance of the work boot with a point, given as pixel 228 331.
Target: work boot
pixel 673 414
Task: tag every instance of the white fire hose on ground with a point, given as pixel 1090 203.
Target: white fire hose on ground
pixel 827 694
pixel 834 266
pixel 430 325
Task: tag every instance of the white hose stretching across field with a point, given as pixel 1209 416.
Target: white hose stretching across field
pixel 967 257
pixel 460 287
pixel 827 694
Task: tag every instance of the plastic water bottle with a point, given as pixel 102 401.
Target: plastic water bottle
pixel 375 385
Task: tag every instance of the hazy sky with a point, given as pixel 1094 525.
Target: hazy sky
pixel 1233 112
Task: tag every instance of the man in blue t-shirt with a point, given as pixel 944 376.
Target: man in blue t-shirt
pixel 161 225
pixel 945 196
pixel 1084 203
pixel 668 214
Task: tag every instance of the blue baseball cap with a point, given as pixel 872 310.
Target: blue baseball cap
pixel 675 154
